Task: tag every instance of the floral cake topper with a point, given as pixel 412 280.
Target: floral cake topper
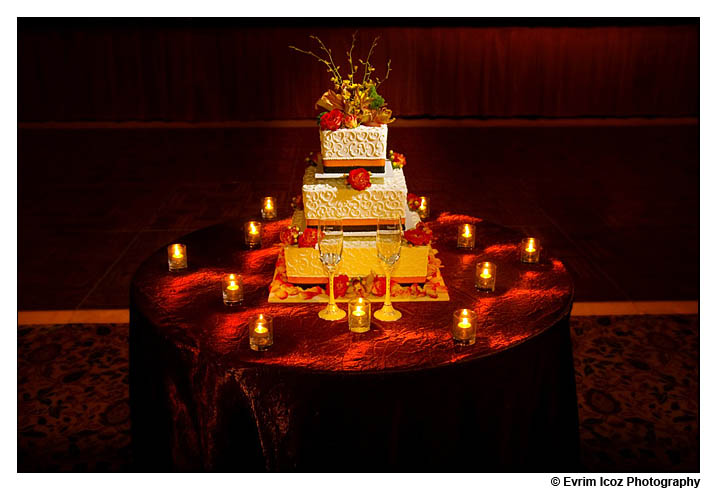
pixel 351 103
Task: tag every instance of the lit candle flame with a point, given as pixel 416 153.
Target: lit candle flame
pixel 260 329
pixel 232 283
pixel 268 204
pixel 253 228
pixel 422 206
pixel 530 247
pixel 359 309
pixel 177 252
pixel 485 273
pixel 467 231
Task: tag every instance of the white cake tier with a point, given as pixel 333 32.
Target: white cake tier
pixel 334 198
pixel 360 143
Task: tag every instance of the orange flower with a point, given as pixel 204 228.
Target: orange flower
pixel 289 235
pixel 397 159
pixel 414 201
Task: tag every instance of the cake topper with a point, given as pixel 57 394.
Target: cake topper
pixel 351 103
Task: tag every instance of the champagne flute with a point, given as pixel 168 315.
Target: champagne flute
pixel 388 249
pixel 331 245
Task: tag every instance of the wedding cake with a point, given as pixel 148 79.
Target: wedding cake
pixel 356 179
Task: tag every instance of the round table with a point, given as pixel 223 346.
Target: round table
pixel 401 397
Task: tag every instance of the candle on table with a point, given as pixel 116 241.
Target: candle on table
pixel 467 236
pixel 177 257
pixel 530 250
pixel 485 276
pixel 359 315
pixel 423 210
pixel 232 289
pixel 261 332
pixel 269 208
pixel 463 329
pixel 253 234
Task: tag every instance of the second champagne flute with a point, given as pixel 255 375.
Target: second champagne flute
pixel 331 246
pixel 388 249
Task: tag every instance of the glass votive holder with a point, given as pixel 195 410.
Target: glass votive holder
pixel 253 234
pixel 485 276
pixel 232 289
pixel 269 208
pixel 530 250
pixel 261 332
pixel 359 315
pixel 177 257
pixel 463 329
pixel 423 209
pixel 466 238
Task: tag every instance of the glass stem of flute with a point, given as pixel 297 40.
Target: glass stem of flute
pixel 331 289
pixel 387 294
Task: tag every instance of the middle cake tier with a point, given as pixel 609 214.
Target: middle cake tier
pixel 335 199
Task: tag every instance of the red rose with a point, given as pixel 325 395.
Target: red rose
pixel 331 120
pixel 421 235
pixel 378 288
pixel 297 202
pixel 289 235
pixel 308 238
pixel 341 285
pixel 397 159
pixel 359 179
pixel 414 201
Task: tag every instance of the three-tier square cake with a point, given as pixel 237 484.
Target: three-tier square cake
pixel 354 178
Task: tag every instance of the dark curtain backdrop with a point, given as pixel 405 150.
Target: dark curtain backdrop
pixel 137 71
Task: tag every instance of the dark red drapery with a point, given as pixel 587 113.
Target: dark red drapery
pixel 127 71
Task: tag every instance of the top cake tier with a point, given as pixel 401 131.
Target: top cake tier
pixel 335 199
pixel 347 149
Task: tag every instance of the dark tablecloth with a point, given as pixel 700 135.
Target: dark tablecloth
pixel 401 397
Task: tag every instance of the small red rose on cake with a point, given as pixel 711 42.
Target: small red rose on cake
pixel 289 235
pixel 397 159
pixel 308 238
pixel 414 201
pixel 331 120
pixel 359 179
pixel 421 235
pixel 341 285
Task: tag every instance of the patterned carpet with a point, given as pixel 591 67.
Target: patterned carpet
pixel 637 381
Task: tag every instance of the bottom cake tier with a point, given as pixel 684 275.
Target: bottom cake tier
pixel 372 286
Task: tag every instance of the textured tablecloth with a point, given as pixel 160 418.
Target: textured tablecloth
pixel 400 397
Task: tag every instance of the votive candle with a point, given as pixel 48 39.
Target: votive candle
pixel 423 209
pixel 269 208
pixel 253 234
pixel 485 276
pixel 466 237
pixel 359 315
pixel 177 257
pixel 261 332
pixel 232 289
pixel 463 329
pixel 530 250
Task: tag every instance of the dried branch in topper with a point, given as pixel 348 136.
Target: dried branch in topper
pixel 352 68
